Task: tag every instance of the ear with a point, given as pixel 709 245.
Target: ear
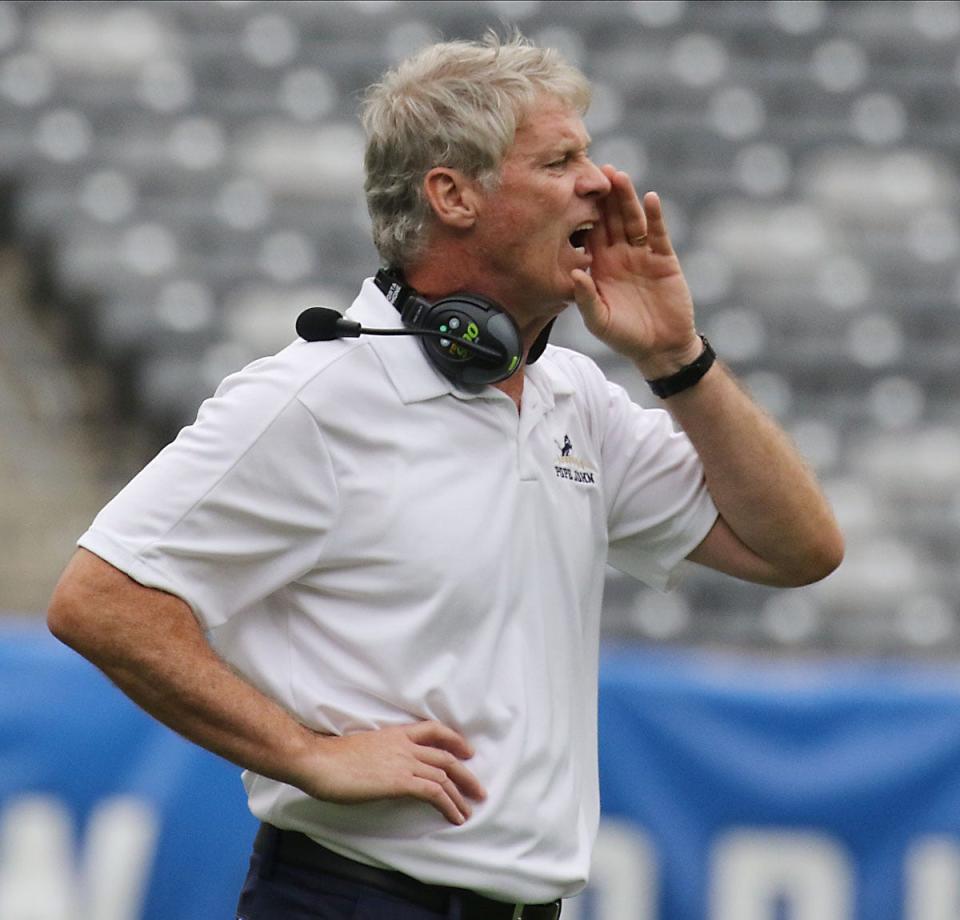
pixel 452 196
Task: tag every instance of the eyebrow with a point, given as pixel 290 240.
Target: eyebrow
pixel 566 146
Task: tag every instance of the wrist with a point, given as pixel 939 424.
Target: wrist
pixel 687 375
pixel 667 362
pixel 301 750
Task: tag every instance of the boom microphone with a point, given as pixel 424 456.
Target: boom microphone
pixel 321 324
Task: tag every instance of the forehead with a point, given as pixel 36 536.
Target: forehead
pixel 548 124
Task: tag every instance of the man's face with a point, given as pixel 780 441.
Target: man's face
pixel 530 232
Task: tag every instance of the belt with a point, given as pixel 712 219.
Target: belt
pixel 297 849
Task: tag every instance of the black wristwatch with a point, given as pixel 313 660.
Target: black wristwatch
pixel 687 376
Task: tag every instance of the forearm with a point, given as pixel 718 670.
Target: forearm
pixel 151 646
pixel 201 698
pixel 763 489
pixel 149 643
pixel 775 524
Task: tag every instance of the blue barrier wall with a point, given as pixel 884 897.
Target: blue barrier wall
pixel 778 791
pixel 733 788
pixel 69 737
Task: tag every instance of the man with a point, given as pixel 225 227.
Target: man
pixel 378 589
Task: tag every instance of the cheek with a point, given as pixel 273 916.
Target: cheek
pixel 526 236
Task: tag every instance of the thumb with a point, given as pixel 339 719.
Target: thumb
pixel 588 299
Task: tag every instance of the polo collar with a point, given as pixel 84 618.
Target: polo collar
pixel 415 379
pixel 548 377
pixel 406 365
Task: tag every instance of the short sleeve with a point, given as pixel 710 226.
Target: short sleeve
pixel 236 508
pixel 658 506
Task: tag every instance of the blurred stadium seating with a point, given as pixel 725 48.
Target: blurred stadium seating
pixel 186 176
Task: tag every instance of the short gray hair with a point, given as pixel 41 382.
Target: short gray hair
pixel 454 104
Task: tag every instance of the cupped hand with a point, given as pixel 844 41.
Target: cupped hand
pixel 422 760
pixel 635 297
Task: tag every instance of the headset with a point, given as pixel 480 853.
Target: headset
pixel 462 319
pixel 467 337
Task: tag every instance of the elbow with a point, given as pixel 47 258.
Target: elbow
pixel 818 562
pixel 71 615
pixel 829 555
pixel 75 611
pixel 63 617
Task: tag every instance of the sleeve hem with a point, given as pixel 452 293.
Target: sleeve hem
pixel 142 572
pixel 705 520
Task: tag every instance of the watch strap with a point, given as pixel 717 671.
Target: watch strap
pixel 687 376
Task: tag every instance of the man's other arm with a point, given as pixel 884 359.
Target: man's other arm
pixel 149 643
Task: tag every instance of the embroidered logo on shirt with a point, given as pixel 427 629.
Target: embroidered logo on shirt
pixel 571 467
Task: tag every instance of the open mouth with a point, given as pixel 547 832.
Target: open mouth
pixel 578 239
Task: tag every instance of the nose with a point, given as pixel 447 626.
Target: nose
pixel 593 182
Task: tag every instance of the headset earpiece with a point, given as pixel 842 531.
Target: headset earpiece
pixel 478 320
pixel 470 316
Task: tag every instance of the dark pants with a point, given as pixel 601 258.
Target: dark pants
pixel 293 893
pixel 292 878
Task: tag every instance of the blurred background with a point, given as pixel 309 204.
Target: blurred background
pixel 179 179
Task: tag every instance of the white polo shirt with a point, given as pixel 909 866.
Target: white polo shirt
pixel 371 546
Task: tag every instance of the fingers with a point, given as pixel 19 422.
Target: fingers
pixel 623 214
pixel 436 734
pixel 437 795
pixel 612 221
pixel 440 777
pixel 627 218
pixel 423 760
pixel 463 778
pixel 437 786
pixel 658 239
